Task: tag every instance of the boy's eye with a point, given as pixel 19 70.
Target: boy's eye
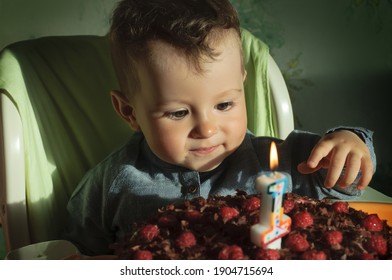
pixel 177 115
pixel 224 106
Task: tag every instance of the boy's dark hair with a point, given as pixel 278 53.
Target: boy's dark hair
pixel 188 25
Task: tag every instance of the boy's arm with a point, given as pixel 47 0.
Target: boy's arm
pixel 344 150
pixel 86 219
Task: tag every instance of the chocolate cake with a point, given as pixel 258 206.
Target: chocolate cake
pixel 218 228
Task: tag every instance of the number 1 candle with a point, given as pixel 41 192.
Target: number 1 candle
pixel 273 224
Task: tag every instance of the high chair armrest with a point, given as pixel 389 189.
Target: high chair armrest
pixel 12 180
pixel 281 99
pixel 48 250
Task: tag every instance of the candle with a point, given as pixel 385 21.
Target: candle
pixel 273 224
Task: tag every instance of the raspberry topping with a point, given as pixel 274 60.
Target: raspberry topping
pixel 314 255
pixel 297 243
pixel 288 205
pixel 372 223
pixel 302 220
pixel 377 244
pixel 333 237
pixel 251 204
pixel 167 220
pixel 267 254
pixel 186 240
pixel 228 213
pixel 143 255
pixel 232 252
pixel 149 232
pixel 192 215
pixel 340 207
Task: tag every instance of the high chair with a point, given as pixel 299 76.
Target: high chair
pixel 57 122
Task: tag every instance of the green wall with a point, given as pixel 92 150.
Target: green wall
pixel 336 57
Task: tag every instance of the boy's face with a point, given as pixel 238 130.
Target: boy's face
pixel 194 120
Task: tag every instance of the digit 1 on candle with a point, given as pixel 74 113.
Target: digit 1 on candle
pixel 273 223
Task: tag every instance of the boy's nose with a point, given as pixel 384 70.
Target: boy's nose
pixel 204 129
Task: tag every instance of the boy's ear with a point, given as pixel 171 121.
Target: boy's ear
pixel 124 109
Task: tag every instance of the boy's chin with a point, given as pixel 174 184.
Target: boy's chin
pixel 205 167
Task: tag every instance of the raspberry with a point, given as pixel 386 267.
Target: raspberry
pixel 251 204
pixel 297 243
pixel 167 220
pixel 192 215
pixel 199 201
pixel 377 244
pixel 149 232
pixel 186 240
pixel 302 219
pixel 372 223
pixel 314 255
pixel 288 205
pixel 228 213
pixel 232 252
pixel 267 254
pixel 340 207
pixel 333 237
pixel 143 255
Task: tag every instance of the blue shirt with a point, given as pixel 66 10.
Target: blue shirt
pixel 132 183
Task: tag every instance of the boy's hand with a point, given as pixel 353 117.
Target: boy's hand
pixel 335 151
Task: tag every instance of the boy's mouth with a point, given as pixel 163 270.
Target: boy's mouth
pixel 204 150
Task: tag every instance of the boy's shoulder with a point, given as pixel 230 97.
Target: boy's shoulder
pixel 126 154
pixel 113 164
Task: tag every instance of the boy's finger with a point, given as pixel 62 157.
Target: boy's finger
pixel 367 173
pixel 320 151
pixel 353 165
pixel 335 168
pixel 304 168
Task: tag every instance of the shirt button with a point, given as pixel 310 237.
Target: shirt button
pixel 192 189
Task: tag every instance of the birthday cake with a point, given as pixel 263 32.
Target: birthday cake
pixel 219 228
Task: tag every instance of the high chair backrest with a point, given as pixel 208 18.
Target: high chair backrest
pixel 57 122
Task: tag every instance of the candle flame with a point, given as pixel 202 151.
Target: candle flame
pixel 273 156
